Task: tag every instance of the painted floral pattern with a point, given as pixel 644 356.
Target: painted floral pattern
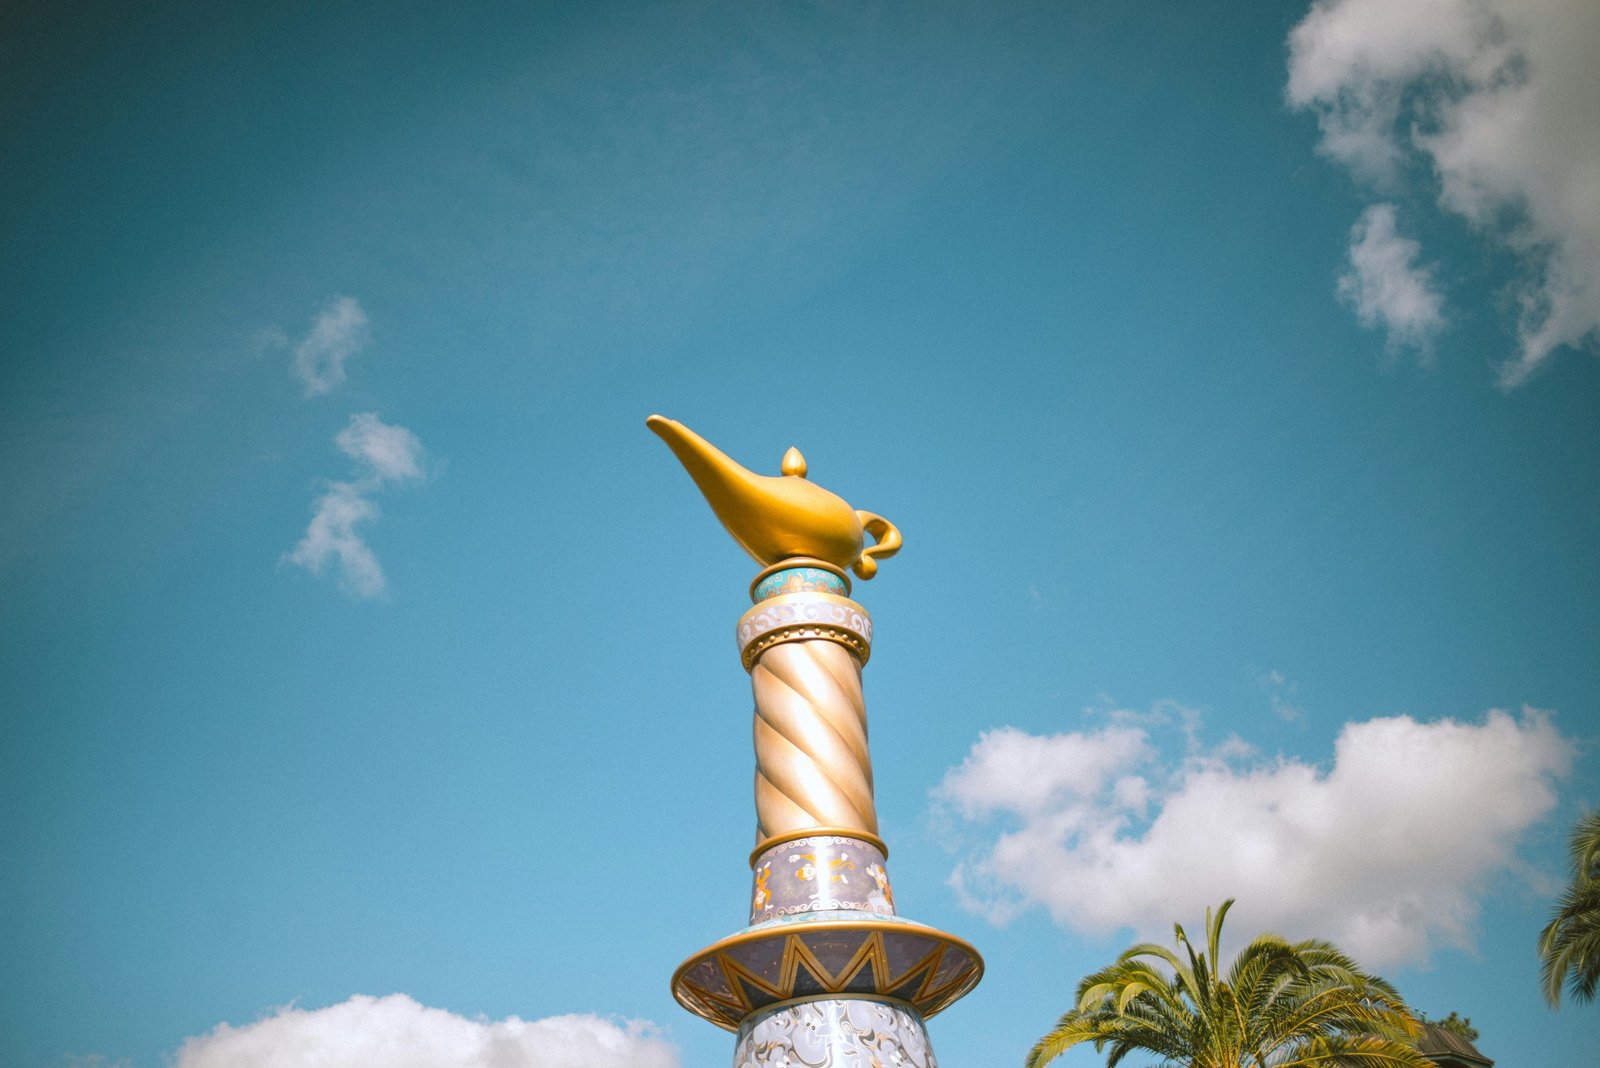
pixel 853 1033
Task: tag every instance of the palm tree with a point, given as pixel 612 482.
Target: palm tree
pixel 1570 943
pixel 1280 1005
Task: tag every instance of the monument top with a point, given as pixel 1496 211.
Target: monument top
pixel 783 517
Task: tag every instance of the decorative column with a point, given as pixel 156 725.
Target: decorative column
pixel 827 973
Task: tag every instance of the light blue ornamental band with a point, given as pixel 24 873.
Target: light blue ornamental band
pixel 800 580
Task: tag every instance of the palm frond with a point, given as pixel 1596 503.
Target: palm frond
pixel 1275 1005
pixel 1357 1052
pixel 1569 945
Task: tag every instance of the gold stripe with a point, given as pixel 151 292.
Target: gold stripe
pixel 843 995
pixel 812 762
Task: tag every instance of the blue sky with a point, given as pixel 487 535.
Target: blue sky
pixel 1232 379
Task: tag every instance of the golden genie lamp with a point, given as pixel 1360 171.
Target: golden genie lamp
pixel 779 518
pixel 827 972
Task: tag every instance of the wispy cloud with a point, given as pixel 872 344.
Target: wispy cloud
pixel 397 1032
pixel 339 332
pixel 1281 693
pixel 1388 287
pixel 383 453
pixel 386 453
pixel 332 537
pixel 1487 106
pixel 1387 849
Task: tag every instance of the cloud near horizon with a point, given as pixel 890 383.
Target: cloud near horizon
pixel 1487 107
pixel 1387 850
pixel 338 333
pixel 383 453
pixel 397 1032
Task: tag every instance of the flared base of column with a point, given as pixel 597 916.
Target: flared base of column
pixel 835 1033
pixel 826 954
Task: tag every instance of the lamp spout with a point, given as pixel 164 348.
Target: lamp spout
pixel 778 517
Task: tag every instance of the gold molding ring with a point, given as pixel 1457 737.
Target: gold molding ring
pixel 804 616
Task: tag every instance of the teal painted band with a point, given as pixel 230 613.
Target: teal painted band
pixel 800 580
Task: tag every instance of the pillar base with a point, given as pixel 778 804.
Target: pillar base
pixel 834 1033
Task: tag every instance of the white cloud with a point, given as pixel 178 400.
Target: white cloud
pixel 1494 102
pixel 388 453
pixel 1012 771
pixel 1281 693
pixel 339 332
pixel 332 537
pixel 383 453
pixel 1386 285
pixel 1387 850
pixel 397 1032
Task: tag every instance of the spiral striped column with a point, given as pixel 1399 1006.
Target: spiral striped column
pixel 804 644
pixel 812 765
pixel 827 973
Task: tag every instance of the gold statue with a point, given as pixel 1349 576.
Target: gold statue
pixel 823 942
pixel 812 766
pixel 783 517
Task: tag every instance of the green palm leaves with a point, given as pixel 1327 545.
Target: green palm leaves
pixel 1570 943
pixel 1278 1005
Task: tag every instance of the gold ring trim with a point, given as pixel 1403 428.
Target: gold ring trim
pixel 819 832
pixel 774 929
pixel 843 995
pixel 800 617
pixel 803 633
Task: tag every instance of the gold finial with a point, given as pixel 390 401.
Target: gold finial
pixel 784 517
